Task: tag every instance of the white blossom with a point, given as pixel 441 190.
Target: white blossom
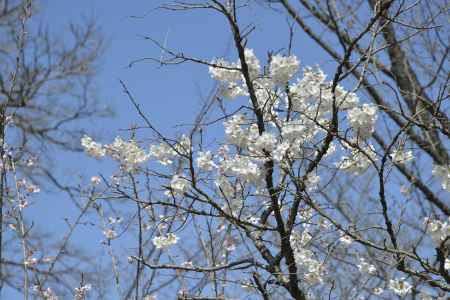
pixel 313 94
pixel 444 173
pixel 252 63
pixel 309 89
pixel 231 72
pixel 225 71
pixel 312 268
pixel 225 187
pixel 183 146
pixel 439 230
pixel 365 267
pixel 232 90
pixel 205 161
pixel 312 182
pixel 400 286
pixel 234 131
pixel 92 148
pixel 266 141
pixel 282 68
pixel 46 294
pixel 325 224
pixel 23 203
pixel 29 187
pixel 345 99
pixel 253 220
pixel 81 292
pixel 243 167
pixel 266 97
pixel 377 291
pixel 188 264
pixel 164 242
pixel 280 151
pixel 346 240
pixel 400 156
pixel 297 130
pixel 179 185
pixel 363 119
pixel 163 152
pixel 96 180
pixel 110 234
pixel 30 261
pixel 128 154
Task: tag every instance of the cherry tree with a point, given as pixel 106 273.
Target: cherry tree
pixel 293 183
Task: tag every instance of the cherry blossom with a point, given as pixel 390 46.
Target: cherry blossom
pixel 165 241
pixel 92 148
pixel 128 154
pixel 205 161
pixel 282 68
pixel 179 185
pixel 400 286
pixel 443 172
pixel 363 119
pixel 401 156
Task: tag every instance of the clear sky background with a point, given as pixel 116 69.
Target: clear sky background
pixel 169 95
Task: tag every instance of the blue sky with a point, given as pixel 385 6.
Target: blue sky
pixel 169 95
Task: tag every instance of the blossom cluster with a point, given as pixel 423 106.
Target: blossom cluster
pixel 313 94
pixel 365 267
pixel 443 172
pixel 282 68
pixel 400 156
pixel 400 286
pixel 304 257
pixel 311 97
pixel 438 230
pixel 27 186
pixel 165 241
pixel 46 294
pixel 163 152
pixel 128 154
pixel 179 185
pixel 363 119
pixel 92 148
pixel 81 292
pixel 205 161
